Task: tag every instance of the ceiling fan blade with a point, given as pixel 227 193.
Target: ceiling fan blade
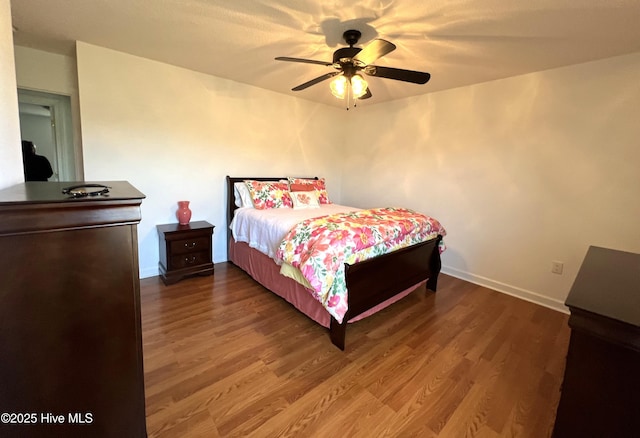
pixel 306 61
pixel 374 50
pixel 416 77
pixel 366 95
pixel 316 80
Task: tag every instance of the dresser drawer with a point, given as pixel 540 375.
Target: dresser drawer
pixel 188 260
pixel 186 246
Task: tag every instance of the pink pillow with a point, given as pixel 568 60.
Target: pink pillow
pixel 303 185
pixel 267 195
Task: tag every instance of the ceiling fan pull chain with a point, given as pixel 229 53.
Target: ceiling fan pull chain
pixel 348 93
pixel 355 99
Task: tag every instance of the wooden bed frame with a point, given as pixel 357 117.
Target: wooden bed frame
pixel 372 281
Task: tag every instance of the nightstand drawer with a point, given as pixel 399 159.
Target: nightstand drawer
pixel 190 245
pixel 188 260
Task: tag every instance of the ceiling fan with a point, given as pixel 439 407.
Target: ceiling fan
pixel 350 61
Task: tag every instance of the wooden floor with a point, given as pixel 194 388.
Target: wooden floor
pixel 224 357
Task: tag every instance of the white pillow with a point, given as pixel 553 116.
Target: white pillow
pixel 242 195
pixel 304 200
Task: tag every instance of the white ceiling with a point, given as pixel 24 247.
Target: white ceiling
pixel 460 42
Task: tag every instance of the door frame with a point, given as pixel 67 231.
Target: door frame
pixel 60 107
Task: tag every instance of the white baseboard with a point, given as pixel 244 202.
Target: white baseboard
pixel 507 289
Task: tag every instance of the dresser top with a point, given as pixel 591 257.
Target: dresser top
pixel 41 206
pixel 608 284
pixel 37 192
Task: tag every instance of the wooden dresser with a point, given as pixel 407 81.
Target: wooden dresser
pixel 601 387
pixel 71 345
pixel 185 250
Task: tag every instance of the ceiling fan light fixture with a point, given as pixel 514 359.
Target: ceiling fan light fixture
pixel 358 86
pixel 341 84
pixel 339 87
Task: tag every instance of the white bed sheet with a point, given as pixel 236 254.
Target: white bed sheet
pixel 265 229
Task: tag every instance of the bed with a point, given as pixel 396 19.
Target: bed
pixel 372 284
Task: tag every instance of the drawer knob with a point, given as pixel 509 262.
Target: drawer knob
pixel 190 260
pixel 190 245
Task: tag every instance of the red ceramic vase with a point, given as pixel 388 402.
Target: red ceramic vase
pixel 183 214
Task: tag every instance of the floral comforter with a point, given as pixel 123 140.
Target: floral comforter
pixel 319 247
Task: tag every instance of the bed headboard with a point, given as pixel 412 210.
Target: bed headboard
pixel 231 204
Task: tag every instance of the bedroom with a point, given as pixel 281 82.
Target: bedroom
pixel 522 171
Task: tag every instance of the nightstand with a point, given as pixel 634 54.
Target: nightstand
pixel 185 250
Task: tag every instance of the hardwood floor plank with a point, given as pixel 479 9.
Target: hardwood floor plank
pixel 224 357
pixel 197 425
pixel 430 381
pixel 432 406
pixel 357 414
pixel 308 413
pixel 469 416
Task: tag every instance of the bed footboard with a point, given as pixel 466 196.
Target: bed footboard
pixel 373 281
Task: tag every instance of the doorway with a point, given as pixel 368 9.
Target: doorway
pixel 45 119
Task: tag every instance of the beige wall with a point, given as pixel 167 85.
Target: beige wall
pixel 10 150
pixel 175 134
pixel 44 71
pixel 522 171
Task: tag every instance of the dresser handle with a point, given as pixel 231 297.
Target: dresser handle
pixel 190 245
pixel 190 260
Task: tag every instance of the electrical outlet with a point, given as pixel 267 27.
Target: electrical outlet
pixel 556 267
